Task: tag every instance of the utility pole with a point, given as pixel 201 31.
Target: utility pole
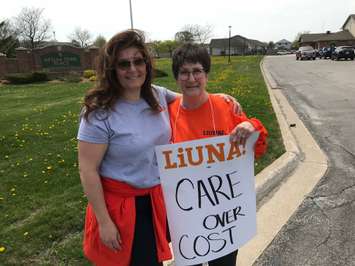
pixel 130 12
pixel 229 45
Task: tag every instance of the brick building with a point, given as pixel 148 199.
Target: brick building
pixel 53 58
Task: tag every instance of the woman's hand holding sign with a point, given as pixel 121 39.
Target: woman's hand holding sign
pixel 242 132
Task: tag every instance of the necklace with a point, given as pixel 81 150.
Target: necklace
pixel 178 113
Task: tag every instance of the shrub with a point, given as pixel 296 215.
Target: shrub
pixel 159 73
pixel 88 73
pixel 72 78
pixel 25 78
pixel 92 78
pixel 39 76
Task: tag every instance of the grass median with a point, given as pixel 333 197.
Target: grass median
pixel 41 200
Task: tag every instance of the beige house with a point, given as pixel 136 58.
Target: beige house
pixel 349 24
pixel 344 37
pixel 237 45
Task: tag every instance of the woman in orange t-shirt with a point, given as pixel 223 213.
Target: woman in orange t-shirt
pixel 198 114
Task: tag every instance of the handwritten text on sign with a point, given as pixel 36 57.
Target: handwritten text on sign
pixel 208 188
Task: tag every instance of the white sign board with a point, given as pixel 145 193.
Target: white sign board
pixel 208 187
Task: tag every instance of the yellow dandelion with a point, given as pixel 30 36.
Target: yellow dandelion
pixel 13 194
pixel 49 167
pixel 2 249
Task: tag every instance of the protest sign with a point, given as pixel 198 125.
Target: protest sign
pixel 208 187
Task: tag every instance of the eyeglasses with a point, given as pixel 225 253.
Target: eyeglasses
pixel 197 73
pixel 127 64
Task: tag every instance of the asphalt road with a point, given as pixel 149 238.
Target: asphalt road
pixel 322 231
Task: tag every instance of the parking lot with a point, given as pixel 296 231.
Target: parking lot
pixel 324 74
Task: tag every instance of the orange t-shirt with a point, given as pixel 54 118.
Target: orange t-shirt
pixel 215 117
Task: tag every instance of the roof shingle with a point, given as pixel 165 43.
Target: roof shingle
pixel 333 36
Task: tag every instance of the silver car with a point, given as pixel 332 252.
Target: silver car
pixel 306 52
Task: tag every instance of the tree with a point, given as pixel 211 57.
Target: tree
pixel 194 33
pixel 271 45
pixel 167 46
pixel 82 36
pixel 296 42
pixel 8 40
pixel 155 49
pixel 184 36
pixel 201 34
pixel 100 41
pixel 31 27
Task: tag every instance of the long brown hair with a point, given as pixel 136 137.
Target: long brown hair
pixel 108 88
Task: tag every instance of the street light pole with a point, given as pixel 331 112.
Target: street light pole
pixel 229 45
pixel 130 12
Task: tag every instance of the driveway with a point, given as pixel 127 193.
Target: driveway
pixel 322 231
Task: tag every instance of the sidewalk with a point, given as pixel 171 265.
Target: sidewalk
pixel 283 185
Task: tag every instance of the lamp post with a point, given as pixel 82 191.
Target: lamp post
pixel 130 12
pixel 229 45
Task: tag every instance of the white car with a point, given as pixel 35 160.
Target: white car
pixel 306 52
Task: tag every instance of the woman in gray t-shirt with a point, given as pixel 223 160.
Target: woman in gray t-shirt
pixel 123 119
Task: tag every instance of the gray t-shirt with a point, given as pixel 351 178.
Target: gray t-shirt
pixel 131 131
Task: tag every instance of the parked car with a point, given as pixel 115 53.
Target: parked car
pixel 343 52
pixel 317 52
pixel 306 52
pixel 282 52
pixel 326 52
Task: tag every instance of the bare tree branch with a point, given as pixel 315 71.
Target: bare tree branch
pixel 31 27
pixel 82 36
pixel 200 34
pixel 8 38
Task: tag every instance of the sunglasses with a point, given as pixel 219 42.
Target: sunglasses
pixel 127 64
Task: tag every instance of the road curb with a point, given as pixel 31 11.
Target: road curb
pixel 270 177
pixel 308 164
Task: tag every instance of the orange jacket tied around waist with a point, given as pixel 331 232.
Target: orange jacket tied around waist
pixel 120 202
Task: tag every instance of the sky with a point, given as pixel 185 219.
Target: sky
pixel 263 20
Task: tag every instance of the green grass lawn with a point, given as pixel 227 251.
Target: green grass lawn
pixel 41 200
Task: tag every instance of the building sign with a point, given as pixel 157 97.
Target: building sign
pixel 60 59
pixel 208 187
